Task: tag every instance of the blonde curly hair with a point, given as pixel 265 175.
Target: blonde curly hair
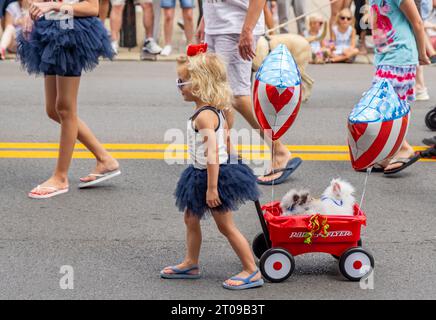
pixel 208 76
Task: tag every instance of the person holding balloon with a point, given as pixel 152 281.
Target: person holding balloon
pixel 231 29
pixel 399 39
pixel 214 184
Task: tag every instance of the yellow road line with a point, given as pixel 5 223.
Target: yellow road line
pixel 29 154
pixel 176 147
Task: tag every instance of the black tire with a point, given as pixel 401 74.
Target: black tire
pixel 356 263
pixel 277 265
pixel 359 243
pixel 259 245
pixel 430 120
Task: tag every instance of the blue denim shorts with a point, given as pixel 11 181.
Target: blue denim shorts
pixel 185 4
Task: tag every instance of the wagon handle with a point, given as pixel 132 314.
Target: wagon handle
pixel 263 223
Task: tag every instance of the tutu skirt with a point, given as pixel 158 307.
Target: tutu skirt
pixel 236 185
pixel 52 49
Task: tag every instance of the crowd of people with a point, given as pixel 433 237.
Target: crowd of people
pixel 339 38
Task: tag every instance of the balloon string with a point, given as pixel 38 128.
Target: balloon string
pixel 272 168
pixel 368 173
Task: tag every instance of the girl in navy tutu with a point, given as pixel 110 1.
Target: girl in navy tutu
pixel 215 183
pixel 66 39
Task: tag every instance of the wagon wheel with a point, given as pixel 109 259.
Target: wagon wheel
pixel 277 265
pixel 359 243
pixel 430 119
pixel 356 263
pixel 259 245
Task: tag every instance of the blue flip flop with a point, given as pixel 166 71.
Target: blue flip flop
pixel 247 283
pixel 291 166
pixel 180 273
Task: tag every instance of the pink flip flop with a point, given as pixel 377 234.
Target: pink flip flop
pixel 53 191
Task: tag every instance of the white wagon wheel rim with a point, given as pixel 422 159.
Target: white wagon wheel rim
pixel 357 265
pixel 277 266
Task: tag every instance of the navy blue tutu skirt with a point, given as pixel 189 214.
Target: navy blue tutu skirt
pixel 54 50
pixel 236 185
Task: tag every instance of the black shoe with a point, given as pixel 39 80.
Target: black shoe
pixel 430 141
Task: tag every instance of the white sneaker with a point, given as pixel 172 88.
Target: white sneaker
pixel 150 46
pixel 422 95
pixel 166 51
pixel 115 46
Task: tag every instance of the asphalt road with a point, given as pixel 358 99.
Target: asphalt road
pixel 118 236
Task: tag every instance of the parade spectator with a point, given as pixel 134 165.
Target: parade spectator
pixel 188 22
pixel 361 16
pixel 344 38
pixel 316 34
pixel 12 20
pixel 116 21
pixel 234 36
pixel 283 7
pixel 336 6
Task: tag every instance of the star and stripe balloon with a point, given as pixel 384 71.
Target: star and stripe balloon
pixel 277 92
pixel 377 126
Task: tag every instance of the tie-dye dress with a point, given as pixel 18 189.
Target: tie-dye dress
pixel 396 53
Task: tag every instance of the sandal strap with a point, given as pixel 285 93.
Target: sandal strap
pixel 246 280
pixel 183 271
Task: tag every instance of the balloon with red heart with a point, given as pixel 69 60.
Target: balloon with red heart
pixel 377 126
pixel 277 92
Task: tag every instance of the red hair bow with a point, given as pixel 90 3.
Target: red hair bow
pixel 194 49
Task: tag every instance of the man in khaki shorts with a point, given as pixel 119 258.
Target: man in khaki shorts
pixel 116 20
pixel 231 29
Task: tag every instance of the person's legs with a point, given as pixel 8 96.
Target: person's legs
pixel 283 7
pixel 300 9
pixel 188 20
pixel 116 21
pixel 67 89
pixel 168 25
pixel 240 245
pixel 7 36
pixel 193 244
pixel 105 162
pixel 103 10
pixel 148 19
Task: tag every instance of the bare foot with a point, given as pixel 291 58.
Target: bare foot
pixel 46 187
pixel 280 160
pixel 101 168
pixel 243 275
pixel 183 265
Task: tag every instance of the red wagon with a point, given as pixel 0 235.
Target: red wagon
pixel 284 237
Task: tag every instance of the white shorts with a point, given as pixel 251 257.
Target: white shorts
pixel 238 70
pixel 123 2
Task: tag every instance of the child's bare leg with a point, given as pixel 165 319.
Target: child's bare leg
pixel 105 162
pixel 227 227
pixel 193 244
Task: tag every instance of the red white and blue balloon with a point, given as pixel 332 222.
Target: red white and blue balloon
pixel 377 126
pixel 277 92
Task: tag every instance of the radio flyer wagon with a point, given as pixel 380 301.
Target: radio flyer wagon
pixel 285 237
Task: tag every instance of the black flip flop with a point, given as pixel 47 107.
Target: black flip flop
pixel 429 141
pixel 429 153
pixel 406 162
pixel 291 166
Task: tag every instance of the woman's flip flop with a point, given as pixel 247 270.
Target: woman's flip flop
pixel 246 282
pixel 99 177
pixel 53 191
pixel 180 273
pixel 291 166
pixel 405 162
